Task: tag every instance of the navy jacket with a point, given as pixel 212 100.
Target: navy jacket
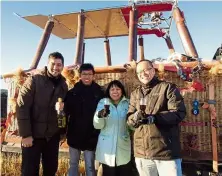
pixel 80 106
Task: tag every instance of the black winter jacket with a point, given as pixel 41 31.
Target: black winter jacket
pixel 80 105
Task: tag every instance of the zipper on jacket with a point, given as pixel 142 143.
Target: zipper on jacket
pixel 149 141
pixel 50 101
pixel 117 132
pixel 144 143
pixel 143 133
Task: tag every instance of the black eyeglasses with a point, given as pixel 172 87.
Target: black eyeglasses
pixel 87 74
pixel 146 70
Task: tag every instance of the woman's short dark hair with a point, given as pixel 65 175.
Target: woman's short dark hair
pixel 117 84
pixel 86 66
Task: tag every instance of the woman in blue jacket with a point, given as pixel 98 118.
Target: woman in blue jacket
pixel 114 146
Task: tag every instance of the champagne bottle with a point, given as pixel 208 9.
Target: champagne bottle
pixel 61 116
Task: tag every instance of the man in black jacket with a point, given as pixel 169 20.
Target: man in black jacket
pixel 80 105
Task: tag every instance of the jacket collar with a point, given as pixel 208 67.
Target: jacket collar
pixel 122 100
pixel 151 84
pixel 80 85
pixel 61 83
pixel 146 89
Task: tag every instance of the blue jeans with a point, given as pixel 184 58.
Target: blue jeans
pixel 89 158
pixel 147 167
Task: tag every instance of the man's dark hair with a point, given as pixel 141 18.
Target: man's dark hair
pixel 117 84
pixel 86 66
pixel 56 55
pixel 145 60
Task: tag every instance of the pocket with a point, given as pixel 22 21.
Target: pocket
pixel 158 144
pixel 36 114
pixel 125 144
pixel 105 132
pixel 138 143
pixel 104 143
pixel 125 111
pixel 104 136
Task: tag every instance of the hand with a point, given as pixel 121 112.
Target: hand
pixel 136 120
pixel 138 116
pixel 27 142
pixel 103 113
pixel 59 106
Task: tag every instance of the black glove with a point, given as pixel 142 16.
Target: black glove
pixel 149 119
pixel 103 113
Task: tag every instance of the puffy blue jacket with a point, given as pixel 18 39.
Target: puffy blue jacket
pixel 114 141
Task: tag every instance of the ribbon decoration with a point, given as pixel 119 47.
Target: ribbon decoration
pixel 11 114
pixel 185 123
pixel 194 86
pixel 185 74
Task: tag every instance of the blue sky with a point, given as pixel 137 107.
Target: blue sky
pixel 19 38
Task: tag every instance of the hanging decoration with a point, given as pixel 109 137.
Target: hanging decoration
pixel 195 111
pixel 213 72
pixel 185 73
pixel 19 77
pixel 161 72
pixel 10 118
pixel 195 85
pixel 72 76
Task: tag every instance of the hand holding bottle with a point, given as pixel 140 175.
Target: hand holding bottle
pixel 60 113
pixel 59 105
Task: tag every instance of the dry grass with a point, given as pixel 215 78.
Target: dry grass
pixel 11 165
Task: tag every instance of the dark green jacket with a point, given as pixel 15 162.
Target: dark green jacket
pixel 160 140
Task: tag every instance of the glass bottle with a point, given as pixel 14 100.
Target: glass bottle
pixel 61 116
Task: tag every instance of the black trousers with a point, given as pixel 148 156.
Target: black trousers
pixel 123 170
pixel 48 150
